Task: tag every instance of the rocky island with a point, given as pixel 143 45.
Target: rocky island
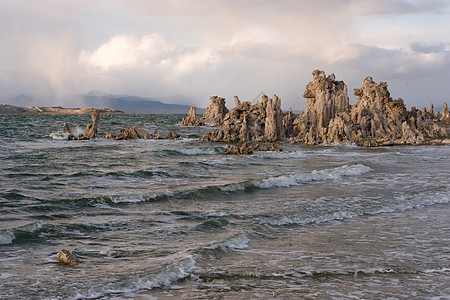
pixel 328 118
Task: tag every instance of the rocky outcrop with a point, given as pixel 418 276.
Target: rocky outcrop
pixel 190 118
pixel 67 131
pixel 91 129
pixel 68 258
pixel 260 122
pixel 89 133
pixel 244 148
pixel 326 99
pixel 129 133
pixel 132 133
pixel 215 113
pixel 445 119
pixel 375 119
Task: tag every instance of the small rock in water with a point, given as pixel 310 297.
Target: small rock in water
pixel 68 258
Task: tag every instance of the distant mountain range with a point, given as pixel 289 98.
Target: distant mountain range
pixel 126 103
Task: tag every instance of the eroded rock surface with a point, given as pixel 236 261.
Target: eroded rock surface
pixel 375 119
pixel 326 99
pixel 190 118
pixel 91 129
pixel 245 148
pixel 215 113
pixel 89 133
pixel 132 132
pixel 260 122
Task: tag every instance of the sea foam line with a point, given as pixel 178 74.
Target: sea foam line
pixel 297 179
pixel 171 273
pixel 400 204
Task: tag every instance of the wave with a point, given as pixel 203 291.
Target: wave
pixel 237 242
pixel 167 275
pixel 281 155
pixel 397 204
pixel 183 266
pixel 60 135
pixel 297 179
pixel 248 185
pixel 141 198
pixel 7 236
pixel 194 151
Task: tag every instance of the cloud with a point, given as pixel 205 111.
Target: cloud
pixel 124 52
pixel 203 47
pixel 393 8
pixel 427 49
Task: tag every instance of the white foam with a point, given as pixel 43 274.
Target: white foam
pixel 297 179
pixel 32 227
pixel 165 277
pixel 281 154
pixel 440 270
pixel 6 237
pixel 327 174
pixel 238 242
pixel 140 198
pixel 339 215
pixel 233 187
pixel 197 151
pixel 77 131
pixel 219 214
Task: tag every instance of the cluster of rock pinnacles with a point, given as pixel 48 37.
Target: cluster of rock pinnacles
pixel 328 118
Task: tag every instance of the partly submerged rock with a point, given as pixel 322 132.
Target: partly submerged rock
pixel 190 118
pixel 244 148
pixel 68 258
pixel 132 132
pixel 91 129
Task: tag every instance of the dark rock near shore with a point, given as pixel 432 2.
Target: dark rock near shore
pixel 68 258
pixel 244 148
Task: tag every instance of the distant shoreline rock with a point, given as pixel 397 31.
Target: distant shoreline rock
pixel 55 110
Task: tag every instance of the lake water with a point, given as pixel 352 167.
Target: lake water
pixel 165 219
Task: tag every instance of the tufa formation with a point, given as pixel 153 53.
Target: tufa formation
pixel 374 120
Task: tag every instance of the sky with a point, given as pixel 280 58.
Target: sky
pixel 200 48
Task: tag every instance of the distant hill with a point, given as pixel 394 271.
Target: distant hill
pixel 126 103
pixel 136 105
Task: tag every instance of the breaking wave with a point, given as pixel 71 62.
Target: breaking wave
pixel 166 276
pixel 7 236
pixel 297 179
pixel 264 183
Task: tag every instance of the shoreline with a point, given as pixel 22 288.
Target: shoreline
pixel 53 110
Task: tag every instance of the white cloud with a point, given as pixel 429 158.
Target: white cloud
pixel 125 52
